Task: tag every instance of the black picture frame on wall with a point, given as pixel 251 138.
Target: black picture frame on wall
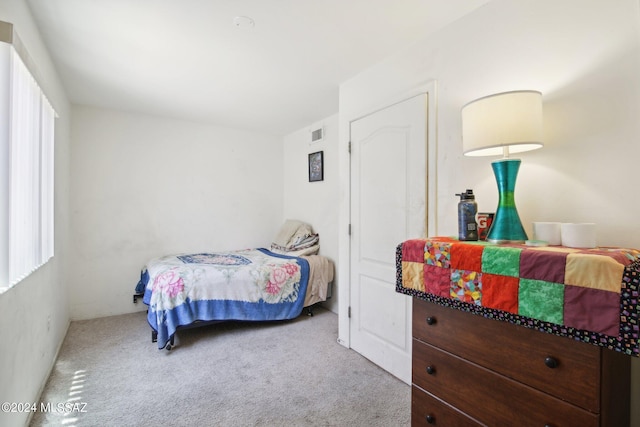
pixel 316 166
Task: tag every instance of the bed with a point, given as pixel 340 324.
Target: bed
pixel 258 284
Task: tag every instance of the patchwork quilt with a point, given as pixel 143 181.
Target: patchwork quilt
pixel 588 294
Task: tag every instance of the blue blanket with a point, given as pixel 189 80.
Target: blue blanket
pixel 253 284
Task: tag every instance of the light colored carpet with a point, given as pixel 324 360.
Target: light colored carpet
pixel 291 373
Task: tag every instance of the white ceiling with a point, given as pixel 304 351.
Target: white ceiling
pixel 188 60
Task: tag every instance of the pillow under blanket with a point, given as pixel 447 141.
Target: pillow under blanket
pixel 296 238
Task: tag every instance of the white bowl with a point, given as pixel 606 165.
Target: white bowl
pixel 578 235
pixel 548 232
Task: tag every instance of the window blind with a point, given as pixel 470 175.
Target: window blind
pixel 31 171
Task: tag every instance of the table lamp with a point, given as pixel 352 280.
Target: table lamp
pixel 500 124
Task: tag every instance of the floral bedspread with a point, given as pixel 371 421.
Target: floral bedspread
pixel 252 284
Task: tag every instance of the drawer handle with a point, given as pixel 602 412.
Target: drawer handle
pixel 551 362
pixel 431 320
pixel 430 419
pixel 431 370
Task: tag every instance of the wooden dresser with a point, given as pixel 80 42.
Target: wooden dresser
pixel 471 371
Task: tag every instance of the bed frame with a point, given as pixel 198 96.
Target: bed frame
pixel 154 334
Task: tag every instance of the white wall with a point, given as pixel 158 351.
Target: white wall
pixel 315 202
pixel 34 314
pixel 584 56
pixel 144 187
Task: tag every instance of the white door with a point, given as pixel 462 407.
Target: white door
pixel 388 198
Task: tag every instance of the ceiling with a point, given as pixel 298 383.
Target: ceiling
pixel 187 59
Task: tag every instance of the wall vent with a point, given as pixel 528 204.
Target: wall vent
pixel 317 135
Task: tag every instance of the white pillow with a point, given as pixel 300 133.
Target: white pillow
pixel 294 233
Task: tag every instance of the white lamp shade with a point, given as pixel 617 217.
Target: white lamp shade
pixel 509 119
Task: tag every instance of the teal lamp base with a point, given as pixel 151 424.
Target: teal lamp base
pixel 506 226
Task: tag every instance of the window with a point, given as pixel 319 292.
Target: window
pixel 27 159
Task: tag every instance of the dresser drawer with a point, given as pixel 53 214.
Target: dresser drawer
pixel 562 367
pixel 488 397
pixel 427 410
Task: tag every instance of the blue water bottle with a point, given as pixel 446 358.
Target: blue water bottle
pixel 467 209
